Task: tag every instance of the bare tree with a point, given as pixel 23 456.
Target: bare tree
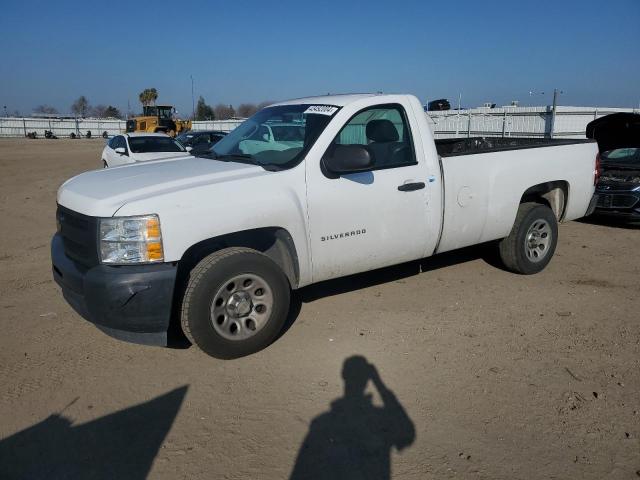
pixel 99 111
pixel 247 109
pixel 46 109
pixel 81 106
pixel 224 112
pixel 104 111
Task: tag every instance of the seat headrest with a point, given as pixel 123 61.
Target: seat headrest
pixel 382 131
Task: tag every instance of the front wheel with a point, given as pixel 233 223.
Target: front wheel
pixel 236 302
pixel 530 245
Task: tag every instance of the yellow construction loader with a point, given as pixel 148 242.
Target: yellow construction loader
pixel 158 118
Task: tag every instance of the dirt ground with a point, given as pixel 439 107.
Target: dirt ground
pixel 482 374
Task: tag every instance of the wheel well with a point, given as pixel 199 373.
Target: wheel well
pixel 553 194
pixel 275 242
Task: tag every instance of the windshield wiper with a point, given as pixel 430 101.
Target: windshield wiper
pixel 234 155
pixel 242 158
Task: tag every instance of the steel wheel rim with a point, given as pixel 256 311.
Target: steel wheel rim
pixel 241 307
pixel 537 241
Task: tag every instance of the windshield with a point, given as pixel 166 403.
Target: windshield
pixel 288 133
pixel 622 155
pixel 149 111
pixel 275 137
pixel 164 112
pixel 154 144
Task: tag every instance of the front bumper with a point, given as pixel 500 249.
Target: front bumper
pixel 131 303
pixel 619 203
pixel 592 205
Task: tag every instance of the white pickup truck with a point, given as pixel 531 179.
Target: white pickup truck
pixel 211 246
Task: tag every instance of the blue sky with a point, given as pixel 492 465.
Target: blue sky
pixel 249 51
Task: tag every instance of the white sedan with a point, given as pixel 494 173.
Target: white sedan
pixel 141 147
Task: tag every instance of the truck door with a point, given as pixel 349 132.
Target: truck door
pixel 366 220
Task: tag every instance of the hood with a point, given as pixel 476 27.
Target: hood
pixel 617 130
pixel 100 193
pixel 145 157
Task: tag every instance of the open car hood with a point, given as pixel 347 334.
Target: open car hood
pixel 618 130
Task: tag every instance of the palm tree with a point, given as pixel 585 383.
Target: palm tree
pixel 148 96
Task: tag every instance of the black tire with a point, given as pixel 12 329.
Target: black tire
pixel 518 252
pixel 104 164
pixel 206 282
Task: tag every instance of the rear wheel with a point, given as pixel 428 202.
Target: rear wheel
pixel 236 303
pixel 104 164
pixel 530 245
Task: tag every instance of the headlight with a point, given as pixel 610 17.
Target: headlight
pixel 131 240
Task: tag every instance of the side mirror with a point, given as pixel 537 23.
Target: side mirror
pixel 348 159
pixel 120 150
pixel 188 149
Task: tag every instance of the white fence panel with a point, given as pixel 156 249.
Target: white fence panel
pixel 222 125
pixel 61 127
pixel 570 122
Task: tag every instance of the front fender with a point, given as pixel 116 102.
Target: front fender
pixel 192 215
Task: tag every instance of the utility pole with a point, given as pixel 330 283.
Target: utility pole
pixel 193 101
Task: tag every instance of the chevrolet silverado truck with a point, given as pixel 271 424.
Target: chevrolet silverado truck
pixel 212 246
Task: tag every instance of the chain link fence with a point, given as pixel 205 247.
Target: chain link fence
pixel 530 122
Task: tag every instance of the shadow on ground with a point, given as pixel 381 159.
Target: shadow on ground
pixel 119 445
pixel 486 252
pixel 329 288
pixel 354 438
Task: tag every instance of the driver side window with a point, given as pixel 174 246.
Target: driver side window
pixel 384 132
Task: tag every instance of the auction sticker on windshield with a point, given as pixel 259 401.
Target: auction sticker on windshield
pixel 321 109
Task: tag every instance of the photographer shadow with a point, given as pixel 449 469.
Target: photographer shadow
pixel 353 440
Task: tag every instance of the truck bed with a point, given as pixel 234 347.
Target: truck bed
pixel 485 180
pixel 450 147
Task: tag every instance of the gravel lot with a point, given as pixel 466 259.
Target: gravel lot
pixel 482 373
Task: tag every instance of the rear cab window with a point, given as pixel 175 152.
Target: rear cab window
pixel 154 144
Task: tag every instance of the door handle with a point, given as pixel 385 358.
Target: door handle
pixel 410 187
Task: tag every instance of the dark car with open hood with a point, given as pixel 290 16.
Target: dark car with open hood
pixel 618 187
